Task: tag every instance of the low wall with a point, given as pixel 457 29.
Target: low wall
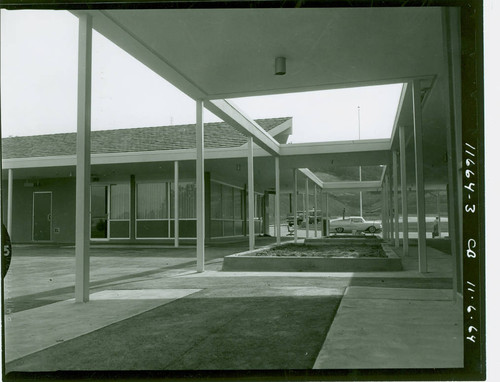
pixel 345 240
pixel 248 261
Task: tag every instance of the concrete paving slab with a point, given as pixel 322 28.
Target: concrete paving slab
pixel 342 275
pixel 387 332
pixel 271 291
pixel 356 292
pixel 141 294
pixel 377 327
pixel 36 329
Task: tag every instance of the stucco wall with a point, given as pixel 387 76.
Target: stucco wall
pixel 63 209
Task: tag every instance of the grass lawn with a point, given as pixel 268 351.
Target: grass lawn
pixel 284 332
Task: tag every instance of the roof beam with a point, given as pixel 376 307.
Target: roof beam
pixel 309 174
pixel 105 24
pixel 371 185
pixel 383 174
pixel 398 112
pixel 231 114
pixel 351 147
pixel 313 88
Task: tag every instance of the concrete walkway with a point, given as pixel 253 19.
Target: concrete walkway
pixel 36 329
pixel 385 320
pixel 393 328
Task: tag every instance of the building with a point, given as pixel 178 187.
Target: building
pixel 133 188
pixel 420 48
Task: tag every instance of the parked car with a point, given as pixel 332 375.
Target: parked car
pixel 354 223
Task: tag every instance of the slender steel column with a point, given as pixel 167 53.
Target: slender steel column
pixel 306 212
pixel 82 227
pixel 251 200
pixel 176 203
pixel 419 174
pixel 404 191
pixel 390 206
pixel 327 214
pixel 9 201
pixel 396 197
pixel 303 201
pixel 200 188
pixel 315 211
pixel 384 211
pixel 360 196
pixel 277 218
pixel 133 209
pixel 295 234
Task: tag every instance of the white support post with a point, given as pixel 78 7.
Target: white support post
pixel 82 227
pixel 200 188
pixel 438 214
pixel 315 211
pixel 277 219
pixel 9 201
pixel 176 203
pixel 395 198
pixel 419 174
pixel 360 196
pixel 385 228
pixel 382 195
pixel 327 214
pixel 295 228
pixel 404 191
pixel 303 202
pixel 306 212
pixel 251 196
pixel 389 207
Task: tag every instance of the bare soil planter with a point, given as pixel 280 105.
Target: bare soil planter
pixel 344 240
pixel 346 256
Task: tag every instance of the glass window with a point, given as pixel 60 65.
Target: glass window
pixel 258 206
pixel 237 204
pixel 187 200
pixel 99 200
pixel 152 201
pixel 119 229
pixel 227 203
pixel 120 201
pixel 215 200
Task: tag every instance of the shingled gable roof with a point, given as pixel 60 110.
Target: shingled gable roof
pixel 217 135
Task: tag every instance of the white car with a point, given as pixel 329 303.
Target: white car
pixel 354 223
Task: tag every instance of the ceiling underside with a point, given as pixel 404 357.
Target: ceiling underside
pixel 226 53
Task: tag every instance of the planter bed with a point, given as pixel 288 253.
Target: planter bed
pixel 335 241
pixel 317 257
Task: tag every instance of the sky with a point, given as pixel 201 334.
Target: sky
pixel 39 77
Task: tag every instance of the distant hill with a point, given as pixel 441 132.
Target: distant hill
pixel 348 202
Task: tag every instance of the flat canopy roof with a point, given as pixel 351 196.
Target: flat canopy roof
pixel 213 54
pixel 228 53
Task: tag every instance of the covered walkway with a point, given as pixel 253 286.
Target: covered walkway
pixel 149 292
